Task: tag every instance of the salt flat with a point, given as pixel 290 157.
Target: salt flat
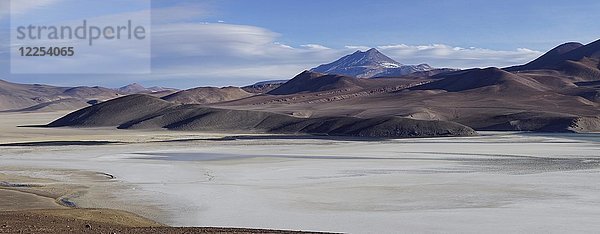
pixel 497 182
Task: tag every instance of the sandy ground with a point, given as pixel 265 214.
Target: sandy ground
pixel 497 182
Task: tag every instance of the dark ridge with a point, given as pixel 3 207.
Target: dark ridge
pixel 589 83
pixel 113 112
pixel 207 95
pixel 158 115
pixel 548 59
pixel 558 56
pixel 479 78
pixel 308 81
pixel 544 122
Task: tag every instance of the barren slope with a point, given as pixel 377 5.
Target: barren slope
pixel 207 95
pixel 146 112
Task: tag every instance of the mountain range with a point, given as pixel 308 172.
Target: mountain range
pixel 38 97
pixel 32 97
pixel 557 92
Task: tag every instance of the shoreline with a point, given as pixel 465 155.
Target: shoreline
pixel 26 209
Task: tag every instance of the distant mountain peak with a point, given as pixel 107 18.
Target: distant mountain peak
pixel 134 88
pixel 133 85
pixel 369 64
pixel 372 57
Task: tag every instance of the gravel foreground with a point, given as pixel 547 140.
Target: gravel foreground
pixel 49 221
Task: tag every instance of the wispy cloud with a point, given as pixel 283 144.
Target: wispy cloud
pixel 442 55
pixel 230 53
pixel 8 7
pixel 203 39
pixel 315 47
pixel 355 47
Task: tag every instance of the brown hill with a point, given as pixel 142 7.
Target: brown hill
pixel 95 92
pixel 548 59
pixel 308 81
pixel 207 95
pixel 263 86
pixel 479 78
pixel 15 96
pixel 585 69
pixel 113 112
pixel 58 105
pixel 562 58
pixel 147 112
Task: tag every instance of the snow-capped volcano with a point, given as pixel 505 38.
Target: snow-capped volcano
pixel 368 64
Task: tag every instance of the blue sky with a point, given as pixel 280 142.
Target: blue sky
pixel 238 42
pixel 506 24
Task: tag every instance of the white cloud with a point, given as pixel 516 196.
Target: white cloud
pixel 441 55
pixel 283 45
pixel 353 47
pixel 228 51
pixel 315 47
pixel 220 40
pixel 203 39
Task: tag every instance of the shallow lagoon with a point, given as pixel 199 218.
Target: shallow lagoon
pixel 534 182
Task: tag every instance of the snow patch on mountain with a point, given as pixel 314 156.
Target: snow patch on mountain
pixel 369 64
